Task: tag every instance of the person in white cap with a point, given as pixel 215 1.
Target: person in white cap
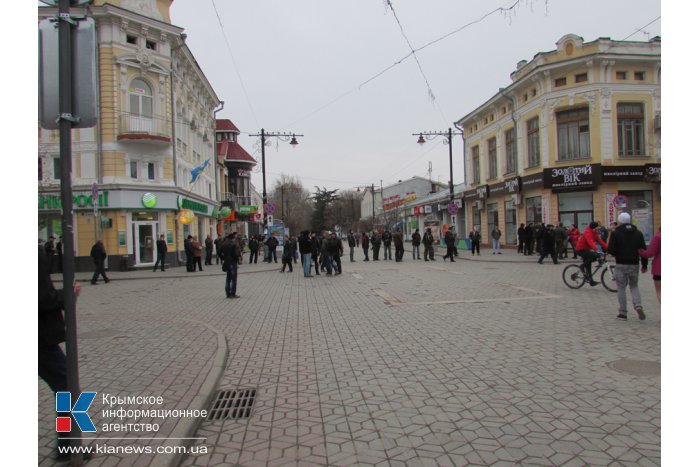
pixel 625 243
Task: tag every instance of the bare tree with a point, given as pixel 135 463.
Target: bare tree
pixel 292 203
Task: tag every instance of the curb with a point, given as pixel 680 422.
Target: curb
pixel 188 427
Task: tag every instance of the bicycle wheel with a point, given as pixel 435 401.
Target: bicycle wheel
pixel 607 277
pixel 573 276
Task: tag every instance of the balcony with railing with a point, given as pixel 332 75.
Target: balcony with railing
pixel 234 201
pixel 139 128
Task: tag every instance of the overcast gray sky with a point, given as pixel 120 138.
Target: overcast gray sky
pixel 298 65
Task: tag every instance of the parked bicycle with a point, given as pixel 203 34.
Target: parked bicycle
pixel 575 275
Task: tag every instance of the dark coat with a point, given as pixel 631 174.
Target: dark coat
pixel 52 328
pixel 161 247
pixel 625 243
pixel 287 250
pixel 230 252
pixel 98 253
pixel 428 238
pixel 415 239
pixel 304 244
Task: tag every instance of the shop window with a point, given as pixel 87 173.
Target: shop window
pixel 476 218
pixel 492 218
pixel 476 169
pixel 573 134
pixel 640 207
pixel 533 142
pixel 510 151
pixel 493 159
pixel 630 129
pixel 511 223
pixel 533 209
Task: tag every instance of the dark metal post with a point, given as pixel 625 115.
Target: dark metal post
pixel 452 185
pixel 65 78
pixel 373 220
pixel 264 193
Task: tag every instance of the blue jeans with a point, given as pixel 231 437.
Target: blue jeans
pixel 306 263
pixel 231 279
pixel 416 251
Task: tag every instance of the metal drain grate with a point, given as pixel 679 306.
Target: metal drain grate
pixel 232 404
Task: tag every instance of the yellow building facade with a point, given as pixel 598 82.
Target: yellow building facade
pixel 575 137
pixel 155 125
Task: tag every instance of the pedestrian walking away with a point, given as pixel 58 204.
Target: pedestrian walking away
pixel 231 253
pixel 428 245
pixel 196 254
pixel 287 252
pixel 161 251
pixel 209 249
pixel 496 239
pixel 449 244
pixel 253 246
pixel 189 254
pixel 352 242
pixel 475 237
pixel 364 240
pixel 99 254
pixel 654 251
pixel 415 243
pixel 548 247
pixel 625 243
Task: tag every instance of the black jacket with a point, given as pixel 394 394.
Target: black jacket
pixel 161 247
pixel 230 252
pixel 98 252
pixel 304 244
pixel 52 328
pixel 625 242
pixel 415 239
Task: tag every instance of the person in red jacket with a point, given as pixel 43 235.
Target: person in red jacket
pixel 574 234
pixel 586 248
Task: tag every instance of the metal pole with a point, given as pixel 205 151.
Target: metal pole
pixel 65 78
pixel 452 185
pixel 373 201
pixel 264 193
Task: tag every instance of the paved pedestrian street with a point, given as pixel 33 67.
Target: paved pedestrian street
pixel 485 361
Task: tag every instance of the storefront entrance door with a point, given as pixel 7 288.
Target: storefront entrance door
pixel 580 219
pixel 144 242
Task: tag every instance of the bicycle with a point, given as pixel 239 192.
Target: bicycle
pixel 574 275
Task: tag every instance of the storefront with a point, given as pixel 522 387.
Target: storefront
pixel 574 187
pixel 129 222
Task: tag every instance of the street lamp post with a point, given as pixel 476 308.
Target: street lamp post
pixel 428 135
pixel 282 136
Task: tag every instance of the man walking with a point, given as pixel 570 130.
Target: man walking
pixel 99 255
pixel 231 252
pixel 305 252
pixel 287 253
pixel 625 243
pixel 429 249
pixel 415 243
pixel 161 250
pixel 548 247
pixel 475 237
pixel 449 244
pixel 352 242
pixel 209 249
pixel 496 239
pixel 189 254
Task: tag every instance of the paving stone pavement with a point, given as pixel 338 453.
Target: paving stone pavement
pixel 490 360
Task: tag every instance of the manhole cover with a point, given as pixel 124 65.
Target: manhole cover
pixel 636 367
pixel 232 404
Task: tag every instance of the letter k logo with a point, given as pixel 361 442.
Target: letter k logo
pixel 78 411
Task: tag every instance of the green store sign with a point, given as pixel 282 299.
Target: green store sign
pixel 184 203
pixel 246 209
pixel 51 202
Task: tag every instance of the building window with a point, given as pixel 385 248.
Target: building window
pixel 134 169
pixel 581 77
pixel 534 92
pixel 56 168
pixel 476 169
pixel 41 170
pixel 533 209
pixel 140 98
pixel 493 159
pixel 630 129
pixel 639 75
pixel 573 134
pixel 131 39
pixel 510 150
pixel 559 82
pixel 533 142
pixel 621 75
pixel 151 170
pixel 150 44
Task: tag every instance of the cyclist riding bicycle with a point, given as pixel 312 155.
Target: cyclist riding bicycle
pixel 587 249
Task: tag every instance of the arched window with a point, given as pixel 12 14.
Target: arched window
pixel 140 98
